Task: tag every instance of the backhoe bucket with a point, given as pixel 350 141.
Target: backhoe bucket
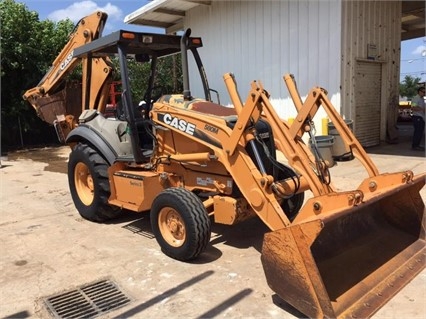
pixel 351 262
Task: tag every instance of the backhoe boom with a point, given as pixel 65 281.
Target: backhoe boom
pixel 49 98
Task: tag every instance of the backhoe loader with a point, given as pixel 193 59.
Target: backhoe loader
pixel 190 162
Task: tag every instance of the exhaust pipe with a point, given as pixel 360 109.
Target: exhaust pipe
pixel 185 69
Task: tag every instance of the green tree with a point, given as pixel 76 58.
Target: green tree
pixel 28 47
pixel 168 76
pixel 408 87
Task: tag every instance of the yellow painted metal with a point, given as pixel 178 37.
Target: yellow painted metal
pixel 347 253
pixel 84 183
pixel 192 157
pixel 231 211
pixel 324 126
pixel 172 227
pixel 348 263
pixel 134 190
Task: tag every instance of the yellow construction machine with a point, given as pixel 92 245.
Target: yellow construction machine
pixel 190 161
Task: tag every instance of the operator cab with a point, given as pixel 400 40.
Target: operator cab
pixel 143 48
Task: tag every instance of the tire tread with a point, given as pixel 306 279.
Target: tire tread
pixel 100 210
pixel 201 230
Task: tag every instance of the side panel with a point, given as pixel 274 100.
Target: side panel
pixel 135 190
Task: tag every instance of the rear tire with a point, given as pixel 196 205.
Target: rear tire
pixel 180 223
pixel 89 184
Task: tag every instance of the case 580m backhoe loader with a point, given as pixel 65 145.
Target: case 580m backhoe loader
pixel 190 161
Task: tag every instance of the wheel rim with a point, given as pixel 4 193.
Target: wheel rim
pixel 172 227
pixel 84 183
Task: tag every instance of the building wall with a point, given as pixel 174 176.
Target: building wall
pixel 263 40
pixel 378 23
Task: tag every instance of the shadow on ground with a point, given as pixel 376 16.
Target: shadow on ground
pixel 401 147
pixel 243 235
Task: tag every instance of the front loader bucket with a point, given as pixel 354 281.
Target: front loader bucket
pixel 349 263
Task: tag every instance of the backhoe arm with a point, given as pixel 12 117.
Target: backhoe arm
pixel 49 97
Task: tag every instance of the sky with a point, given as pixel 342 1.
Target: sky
pixel 413 52
pixel 413 58
pixel 74 10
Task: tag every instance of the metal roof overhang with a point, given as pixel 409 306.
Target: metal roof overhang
pixel 169 14
pixel 413 20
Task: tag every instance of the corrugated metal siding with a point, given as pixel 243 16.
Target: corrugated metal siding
pixel 371 22
pixel 368 82
pixel 263 40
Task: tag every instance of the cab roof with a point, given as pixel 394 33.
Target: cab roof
pixel 135 43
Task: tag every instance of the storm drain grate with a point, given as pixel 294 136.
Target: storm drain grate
pixel 139 231
pixel 87 301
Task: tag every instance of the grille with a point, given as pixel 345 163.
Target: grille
pixel 141 227
pixel 139 231
pixel 87 301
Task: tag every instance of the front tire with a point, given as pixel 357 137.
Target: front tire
pixel 89 184
pixel 180 223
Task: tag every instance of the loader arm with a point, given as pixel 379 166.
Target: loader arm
pixel 317 97
pixel 49 96
pixel 346 253
pixel 375 233
pixel 257 105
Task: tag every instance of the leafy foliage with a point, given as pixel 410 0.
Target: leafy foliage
pixel 28 46
pixel 408 87
pixel 169 74
pixel 168 77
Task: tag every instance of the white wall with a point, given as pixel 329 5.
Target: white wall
pixel 263 40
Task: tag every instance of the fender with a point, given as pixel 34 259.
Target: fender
pixel 84 133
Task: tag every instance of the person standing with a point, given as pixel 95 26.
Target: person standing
pixel 418 118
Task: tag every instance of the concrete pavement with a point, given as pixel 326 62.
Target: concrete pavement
pixel 47 248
